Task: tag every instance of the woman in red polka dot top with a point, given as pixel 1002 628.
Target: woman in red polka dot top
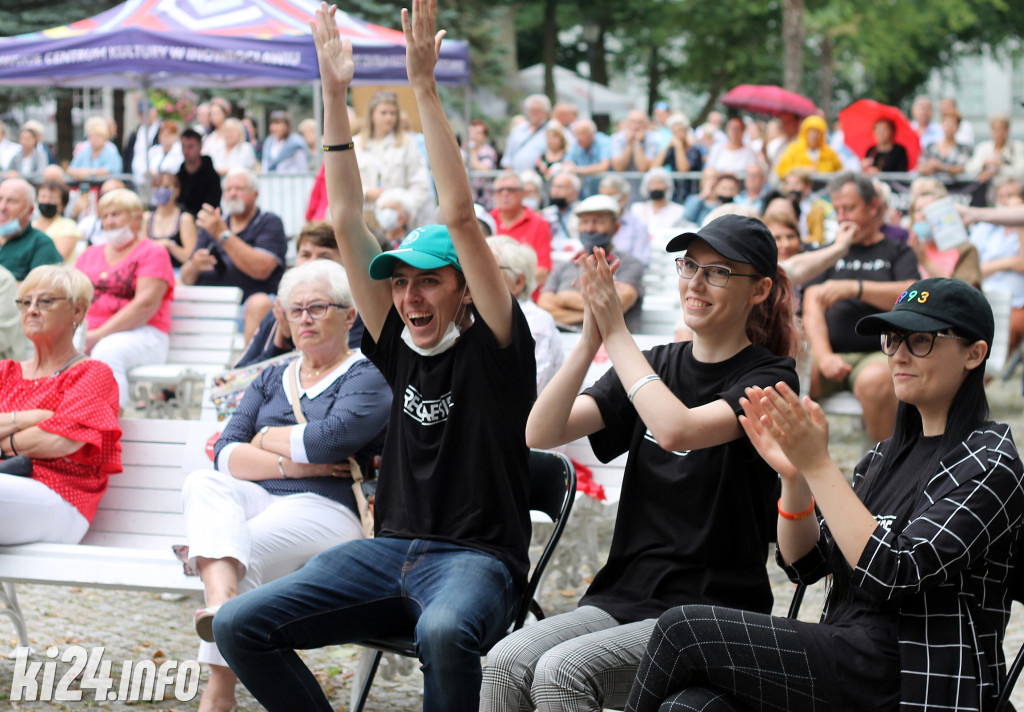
pixel 59 409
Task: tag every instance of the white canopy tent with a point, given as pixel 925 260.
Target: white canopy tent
pixel 571 88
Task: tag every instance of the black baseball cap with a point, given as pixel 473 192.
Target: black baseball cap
pixel 933 305
pixel 735 237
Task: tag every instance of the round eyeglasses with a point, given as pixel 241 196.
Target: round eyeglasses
pixel 919 343
pixel 317 310
pixel 716 275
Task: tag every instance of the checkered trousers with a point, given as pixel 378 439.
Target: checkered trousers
pixel 714 659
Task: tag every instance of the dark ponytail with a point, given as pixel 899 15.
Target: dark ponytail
pixel 770 323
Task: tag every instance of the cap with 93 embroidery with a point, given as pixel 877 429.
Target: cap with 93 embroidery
pixel 934 305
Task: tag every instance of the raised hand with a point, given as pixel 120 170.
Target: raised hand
pixel 422 41
pixel 333 53
pixel 799 428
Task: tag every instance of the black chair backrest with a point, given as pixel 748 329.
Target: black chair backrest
pixel 1016 585
pixel 552 491
pixel 551 474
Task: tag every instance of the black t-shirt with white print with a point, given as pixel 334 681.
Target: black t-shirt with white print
pixel 455 465
pixel 691 526
pixel 884 261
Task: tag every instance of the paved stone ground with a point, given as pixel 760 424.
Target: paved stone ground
pixel 139 627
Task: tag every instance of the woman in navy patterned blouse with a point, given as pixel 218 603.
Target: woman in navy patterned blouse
pixel 282 491
pixel 921 550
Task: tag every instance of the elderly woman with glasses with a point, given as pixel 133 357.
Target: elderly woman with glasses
pixel 282 488
pixel 59 435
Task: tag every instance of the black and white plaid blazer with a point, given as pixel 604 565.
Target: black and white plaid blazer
pixel 948 570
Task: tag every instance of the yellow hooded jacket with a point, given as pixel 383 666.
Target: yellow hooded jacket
pixel 795 155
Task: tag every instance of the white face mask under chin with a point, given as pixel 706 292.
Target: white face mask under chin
pixel 451 334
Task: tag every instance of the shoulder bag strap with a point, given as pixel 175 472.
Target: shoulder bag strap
pixel 292 375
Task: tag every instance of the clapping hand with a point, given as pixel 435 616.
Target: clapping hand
pixel 209 218
pixel 798 428
pixel 597 286
pixel 333 53
pixel 759 436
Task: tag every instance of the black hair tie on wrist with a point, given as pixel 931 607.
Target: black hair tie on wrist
pixel 339 146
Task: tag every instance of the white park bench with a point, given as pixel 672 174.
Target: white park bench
pixel 204 339
pixel 128 546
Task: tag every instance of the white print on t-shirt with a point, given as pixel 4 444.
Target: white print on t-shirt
pixel 427 412
pixel 649 436
pixel 886 521
pixel 876 265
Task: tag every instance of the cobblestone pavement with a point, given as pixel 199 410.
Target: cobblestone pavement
pixel 140 627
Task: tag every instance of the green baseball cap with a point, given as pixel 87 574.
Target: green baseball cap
pixel 428 247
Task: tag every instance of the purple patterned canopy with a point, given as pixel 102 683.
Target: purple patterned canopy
pixel 193 43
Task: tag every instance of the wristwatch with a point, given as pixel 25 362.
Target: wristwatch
pixel 223 237
pixel 263 431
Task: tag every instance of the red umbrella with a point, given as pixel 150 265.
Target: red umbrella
pixel 858 124
pixel 768 99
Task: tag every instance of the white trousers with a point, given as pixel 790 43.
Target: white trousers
pixel 126 349
pixel 269 535
pixel 32 512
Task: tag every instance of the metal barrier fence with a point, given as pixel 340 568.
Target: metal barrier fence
pixel 286 195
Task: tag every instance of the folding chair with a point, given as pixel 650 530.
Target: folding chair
pixel 552 492
pixel 1016 585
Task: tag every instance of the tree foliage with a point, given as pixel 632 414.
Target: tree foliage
pixel 21 16
pixel 879 48
pixel 896 45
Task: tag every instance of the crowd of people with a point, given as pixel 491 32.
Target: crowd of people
pixel 417 336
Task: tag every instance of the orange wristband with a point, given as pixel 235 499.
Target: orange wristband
pixel 799 515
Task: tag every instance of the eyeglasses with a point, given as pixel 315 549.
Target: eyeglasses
pixel 317 310
pixel 716 275
pixel 43 303
pixel 508 190
pixel 919 343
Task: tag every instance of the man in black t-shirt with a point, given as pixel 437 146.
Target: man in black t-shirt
pixel 197 177
pixel 866 281
pixel 449 558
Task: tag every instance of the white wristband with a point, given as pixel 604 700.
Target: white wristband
pixel 640 384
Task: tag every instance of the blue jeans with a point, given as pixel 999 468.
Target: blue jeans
pixel 458 601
